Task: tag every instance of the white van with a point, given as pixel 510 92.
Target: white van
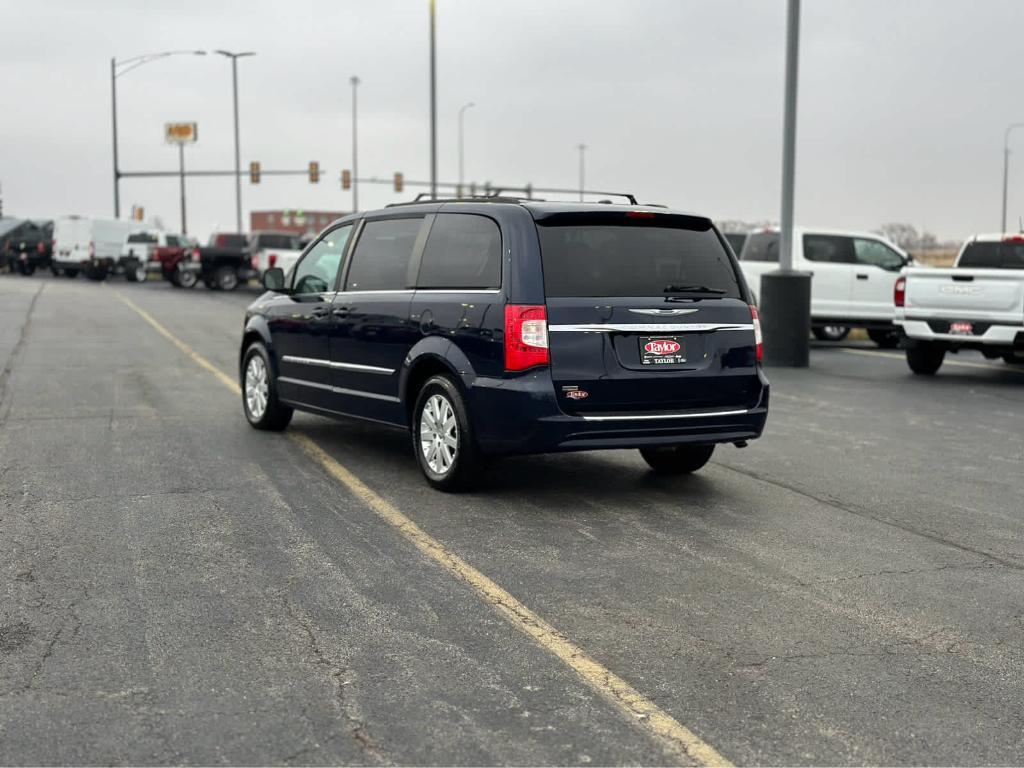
pixel 91 245
pixel 853 274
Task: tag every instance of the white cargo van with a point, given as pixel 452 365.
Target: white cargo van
pixel 85 244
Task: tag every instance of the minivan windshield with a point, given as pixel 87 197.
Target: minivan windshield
pixel 993 255
pixel 614 254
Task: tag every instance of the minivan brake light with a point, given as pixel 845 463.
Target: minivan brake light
pixel 526 336
pixel 758 338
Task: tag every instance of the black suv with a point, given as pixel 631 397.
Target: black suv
pixel 498 326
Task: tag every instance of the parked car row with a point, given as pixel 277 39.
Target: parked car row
pixel 99 248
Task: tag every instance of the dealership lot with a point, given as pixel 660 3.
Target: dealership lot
pixel 180 588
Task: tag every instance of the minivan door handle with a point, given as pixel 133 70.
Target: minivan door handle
pixel 861 276
pixel 341 311
pixel 319 312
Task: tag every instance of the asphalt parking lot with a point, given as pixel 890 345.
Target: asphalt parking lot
pixel 179 588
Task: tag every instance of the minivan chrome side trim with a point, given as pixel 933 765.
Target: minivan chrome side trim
pixel 340 366
pixel 338 390
pixel 657 416
pixel 655 327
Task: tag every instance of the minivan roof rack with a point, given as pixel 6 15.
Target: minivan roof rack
pixel 496 196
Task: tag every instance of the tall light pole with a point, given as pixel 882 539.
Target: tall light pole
pixel 582 148
pixel 118 68
pixel 462 114
pixel 786 294
pixel 355 147
pixel 1006 165
pixel 238 160
pixel 433 101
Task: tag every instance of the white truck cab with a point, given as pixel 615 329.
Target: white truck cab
pixel 978 304
pixel 853 274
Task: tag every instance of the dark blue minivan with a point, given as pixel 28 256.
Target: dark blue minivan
pixel 495 326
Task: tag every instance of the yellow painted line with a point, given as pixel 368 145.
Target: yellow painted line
pixel 960 363
pixel 638 708
pixel 198 359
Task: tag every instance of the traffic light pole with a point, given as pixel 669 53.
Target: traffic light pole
pixel 113 122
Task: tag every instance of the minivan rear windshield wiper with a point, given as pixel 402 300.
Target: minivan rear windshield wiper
pixel 691 289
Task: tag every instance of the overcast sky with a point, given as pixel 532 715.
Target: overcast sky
pixel 902 103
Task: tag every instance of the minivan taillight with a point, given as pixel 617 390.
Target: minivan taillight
pixel 758 338
pixel 526 336
pixel 899 293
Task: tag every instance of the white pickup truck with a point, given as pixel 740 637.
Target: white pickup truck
pixel 853 274
pixel 978 304
pixel 274 249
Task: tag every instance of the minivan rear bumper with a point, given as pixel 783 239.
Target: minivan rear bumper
pixel 522 415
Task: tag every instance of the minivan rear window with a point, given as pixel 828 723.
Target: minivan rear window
pixel 993 256
pixel 617 255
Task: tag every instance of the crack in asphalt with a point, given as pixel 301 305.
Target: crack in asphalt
pixel 865 513
pixel 19 345
pixel 346 707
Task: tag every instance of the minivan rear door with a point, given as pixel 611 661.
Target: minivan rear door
pixel 646 313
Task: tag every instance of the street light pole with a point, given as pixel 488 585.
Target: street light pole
pixel 582 148
pixel 355 146
pixel 433 101
pixel 238 158
pixel 786 294
pixel 462 114
pixel 126 66
pixel 181 178
pixel 1006 166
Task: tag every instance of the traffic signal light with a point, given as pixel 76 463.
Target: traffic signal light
pixel 314 172
pixel 346 179
pixel 399 182
pixel 254 173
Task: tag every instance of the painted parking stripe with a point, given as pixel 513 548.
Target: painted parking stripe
pixel 639 709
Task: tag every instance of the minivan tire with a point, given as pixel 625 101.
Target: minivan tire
pixel 830 332
pixel 925 359
pixel 885 338
pixel 441 393
pixel 677 460
pixel 260 387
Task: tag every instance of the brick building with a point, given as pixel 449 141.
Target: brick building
pixel 299 222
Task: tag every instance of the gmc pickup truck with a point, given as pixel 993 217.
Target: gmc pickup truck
pixel 978 304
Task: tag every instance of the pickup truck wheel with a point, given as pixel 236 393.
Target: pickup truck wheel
pixel 830 332
pixel 262 408
pixel 885 339
pixel 56 271
pixel 96 275
pixel 70 273
pixel 442 437
pixel 184 278
pixel 226 279
pixel 27 268
pixel 678 460
pixel 925 359
pixel 135 271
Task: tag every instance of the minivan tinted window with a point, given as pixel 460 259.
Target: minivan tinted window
pixel 381 258
pixel 617 255
pixel 763 246
pixel 993 256
pixel 462 251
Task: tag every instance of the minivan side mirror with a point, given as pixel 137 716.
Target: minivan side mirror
pixel 273 280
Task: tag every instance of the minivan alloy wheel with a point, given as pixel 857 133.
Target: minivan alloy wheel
pixel 439 434
pixel 256 387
